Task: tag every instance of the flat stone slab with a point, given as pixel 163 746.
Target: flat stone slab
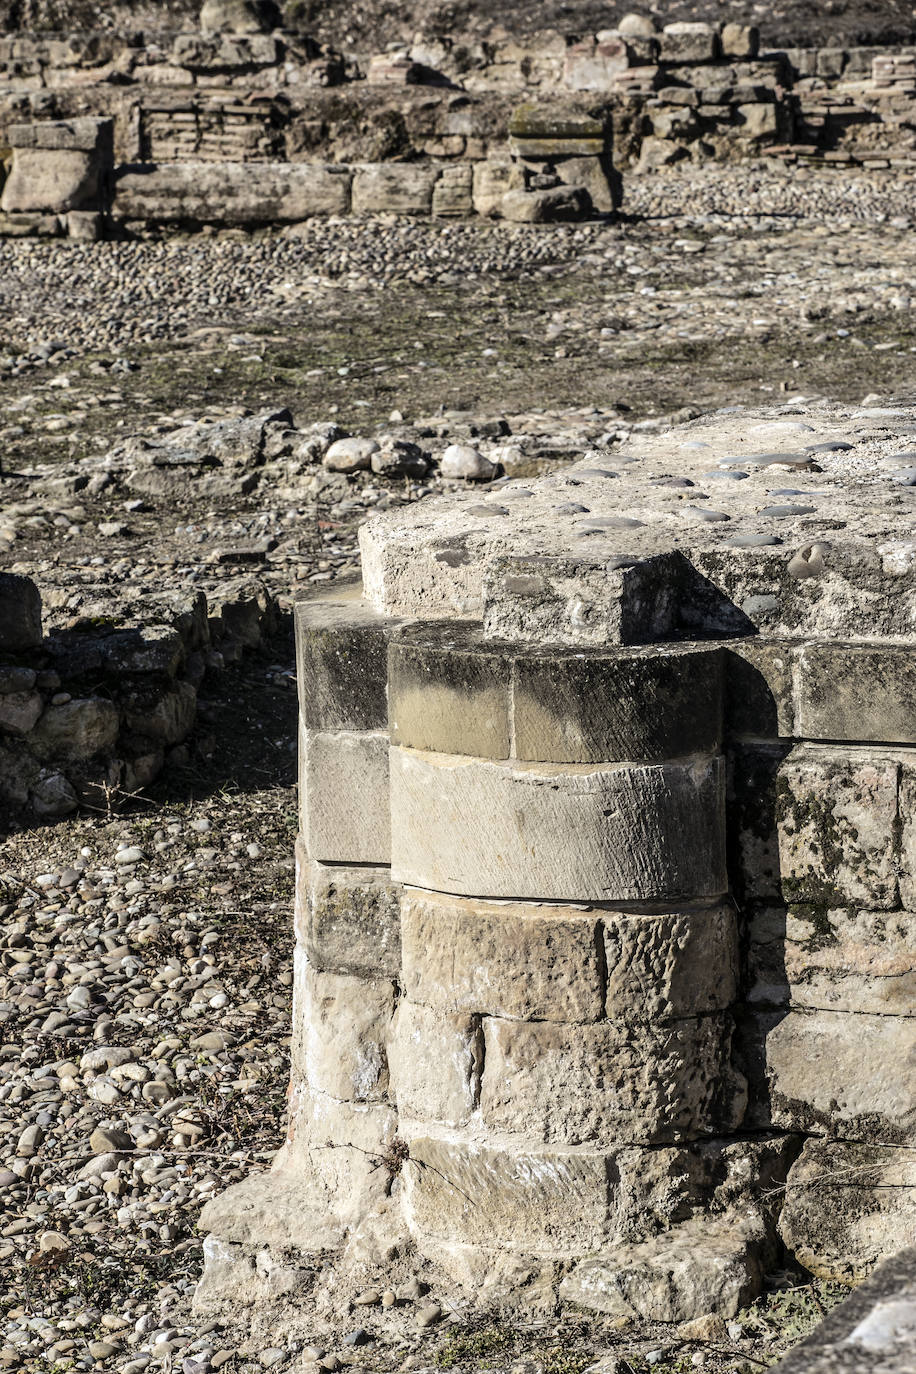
pixel 790 522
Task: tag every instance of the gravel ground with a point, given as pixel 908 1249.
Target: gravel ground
pixel 145 955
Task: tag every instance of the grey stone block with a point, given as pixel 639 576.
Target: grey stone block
pixel 341 651
pixel 345 790
pixel 448 691
pixel 856 692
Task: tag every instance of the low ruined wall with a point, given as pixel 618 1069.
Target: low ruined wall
pixel 92 713
pixel 271 100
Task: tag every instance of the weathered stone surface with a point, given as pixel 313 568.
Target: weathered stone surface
pixel 907 815
pixel 232 192
pixel 832 1073
pixel 238 16
pixel 628 705
pixel 19 711
pixel 341 663
pixel 59 166
pixel 492 179
pixel 344 1024
pixel 346 789
pixel 836 814
pixel 740 40
pixel 448 691
pixel 559 204
pixel 872 1332
pixel 567 832
pixel 20 612
pixel 836 960
pixel 545 1201
pixel 579 601
pixel 168 717
pixel 670 964
pixel 610 1084
pixel 848 1206
pixel 435 1061
pixel 708 1264
pixel 758 688
pixel 508 959
pixel 348 919
pixel 685 42
pixel 76 729
pixel 856 692
pixel 402 187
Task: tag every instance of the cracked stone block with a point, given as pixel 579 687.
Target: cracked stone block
pixel 348 919
pixel 342 1026
pixel 435 1062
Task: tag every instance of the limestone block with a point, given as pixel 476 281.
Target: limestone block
pixel 708 1264
pixel 509 959
pixel 168 718
pixel 580 600
pixel 20 612
pixel 759 122
pixel 848 1206
pixel 76 729
pixel 448 691
pixel 740 40
pixel 836 813
pixel 832 1073
pixel 492 179
pixel 670 964
pixel 345 1024
pixel 405 188
pixel 453 193
pixel 232 192
pixel 592 65
pixel 856 692
pixel 52 181
pixel 340 663
pixel 237 16
pixel 636 705
pixel 556 205
pixel 609 1083
pixel 687 42
pixel 557 831
pixel 758 688
pixel 548 149
pixel 835 960
pixel 346 788
pixel 594 174
pixel 435 1061
pixel 348 919
pixel 59 166
pixel 336 1149
pixel 544 1201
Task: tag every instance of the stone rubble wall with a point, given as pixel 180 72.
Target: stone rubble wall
pixel 270 110
pixel 94 712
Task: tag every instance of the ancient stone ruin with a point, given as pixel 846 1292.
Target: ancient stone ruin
pixel 242 122
pixel 604 962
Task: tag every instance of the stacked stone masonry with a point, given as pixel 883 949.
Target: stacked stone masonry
pixel 606 875
pixel 92 711
pixel 217 126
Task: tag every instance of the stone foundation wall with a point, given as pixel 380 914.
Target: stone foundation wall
pixel 606 866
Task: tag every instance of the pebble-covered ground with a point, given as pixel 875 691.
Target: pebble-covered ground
pixel 144 990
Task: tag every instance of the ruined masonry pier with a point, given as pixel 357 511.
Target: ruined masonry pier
pixel 606 861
